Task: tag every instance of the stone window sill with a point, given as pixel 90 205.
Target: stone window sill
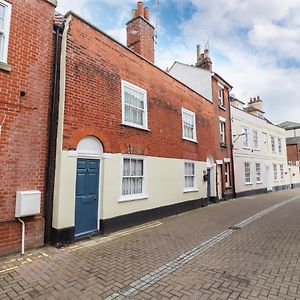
pixel 4 66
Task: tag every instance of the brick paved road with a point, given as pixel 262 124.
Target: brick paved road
pixel 259 261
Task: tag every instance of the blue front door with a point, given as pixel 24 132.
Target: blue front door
pixel 87 190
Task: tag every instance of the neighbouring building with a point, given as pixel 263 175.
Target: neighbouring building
pixel 292 134
pixel 215 89
pixel 133 142
pixel 26 55
pixel 259 150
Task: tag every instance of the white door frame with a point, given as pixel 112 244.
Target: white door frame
pixel 219 181
pixel 269 179
pixel 91 148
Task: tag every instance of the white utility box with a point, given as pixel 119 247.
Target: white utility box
pixel 28 203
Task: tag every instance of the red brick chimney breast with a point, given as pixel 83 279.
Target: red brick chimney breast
pixel 140 33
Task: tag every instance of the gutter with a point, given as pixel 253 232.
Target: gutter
pixel 52 132
pixel 231 150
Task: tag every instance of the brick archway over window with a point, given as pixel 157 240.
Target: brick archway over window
pixel 83 132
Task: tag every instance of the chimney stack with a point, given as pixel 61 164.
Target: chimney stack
pixel 140 32
pixel 203 59
pixel 255 107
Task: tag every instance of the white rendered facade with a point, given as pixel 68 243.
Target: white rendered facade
pixel 259 153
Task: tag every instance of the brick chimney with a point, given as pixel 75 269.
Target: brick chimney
pixel 140 33
pixel 203 59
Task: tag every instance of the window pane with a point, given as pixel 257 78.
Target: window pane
pixel 2 15
pixel 125 186
pixel 134 106
pixel 188 126
pixel 126 167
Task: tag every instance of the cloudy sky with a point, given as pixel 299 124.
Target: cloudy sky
pixel 254 44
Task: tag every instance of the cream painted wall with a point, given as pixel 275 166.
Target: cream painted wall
pixel 165 185
pixel 64 193
pixel 164 178
pixel 240 175
pixel 263 155
pixel 295 174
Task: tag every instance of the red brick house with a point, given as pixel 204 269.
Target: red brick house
pixel 133 142
pixel 26 55
pixel 215 89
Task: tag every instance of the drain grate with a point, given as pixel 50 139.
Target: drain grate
pixel 234 228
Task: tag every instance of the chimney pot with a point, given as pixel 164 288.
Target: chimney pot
pixel 147 13
pixel 258 98
pixel 206 53
pixel 202 55
pixel 198 53
pixel 133 13
pixel 140 8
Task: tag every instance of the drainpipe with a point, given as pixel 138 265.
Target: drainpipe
pixel 52 132
pixel 231 149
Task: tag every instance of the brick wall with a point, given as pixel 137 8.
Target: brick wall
pixel 95 66
pixel 23 140
pixel 293 152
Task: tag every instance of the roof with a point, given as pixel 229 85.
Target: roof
pixel 71 13
pixel 288 125
pixel 53 2
pixel 293 140
pixel 222 79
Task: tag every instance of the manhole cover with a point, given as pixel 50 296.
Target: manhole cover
pixel 234 228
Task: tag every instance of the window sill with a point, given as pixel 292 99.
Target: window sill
pixel 248 183
pixel 222 107
pixel 223 145
pixel 256 149
pixel 228 187
pixel 133 198
pixel 258 182
pixel 193 141
pixel 5 67
pixel 135 126
pixel 246 148
pixel 190 190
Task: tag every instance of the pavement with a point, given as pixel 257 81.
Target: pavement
pixel 246 248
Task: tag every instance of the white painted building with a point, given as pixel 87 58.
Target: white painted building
pixel 259 150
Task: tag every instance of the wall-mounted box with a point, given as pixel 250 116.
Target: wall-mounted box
pixel 28 203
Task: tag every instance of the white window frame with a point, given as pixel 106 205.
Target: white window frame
pixel 273 144
pixel 245 173
pixel 191 114
pixel 245 131
pixel 281 168
pixel 221 95
pixel 258 172
pixel 255 140
pixel 140 196
pixel 227 174
pixel 275 172
pixel 279 145
pixel 194 188
pixel 145 115
pixel 5 32
pixel 222 129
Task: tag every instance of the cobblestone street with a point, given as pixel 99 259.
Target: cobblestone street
pixel 248 248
